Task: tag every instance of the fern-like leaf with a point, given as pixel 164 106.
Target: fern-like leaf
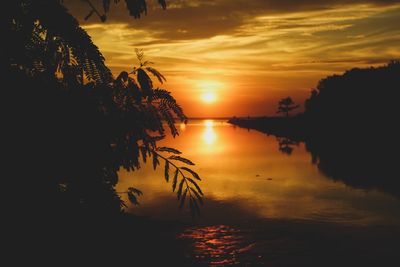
pixel 195 184
pixel 169 149
pixel 175 180
pixel 156 162
pixel 157 74
pixel 180 187
pixel 195 175
pixel 184 160
pixel 196 193
pixel 166 171
pixel 132 193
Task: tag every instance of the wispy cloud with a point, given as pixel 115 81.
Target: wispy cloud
pixel 260 50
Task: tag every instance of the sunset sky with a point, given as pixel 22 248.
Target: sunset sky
pixel 239 57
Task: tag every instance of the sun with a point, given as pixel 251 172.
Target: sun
pixel 209 90
pixel 209 97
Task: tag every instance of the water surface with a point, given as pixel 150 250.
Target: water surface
pixel 258 189
pixel 246 170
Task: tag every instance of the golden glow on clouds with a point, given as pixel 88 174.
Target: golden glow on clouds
pixel 250 60
pixel 208 85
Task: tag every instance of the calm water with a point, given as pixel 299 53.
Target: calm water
pixel 250 186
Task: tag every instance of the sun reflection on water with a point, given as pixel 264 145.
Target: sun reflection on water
pixel 218 245
pixel 209 135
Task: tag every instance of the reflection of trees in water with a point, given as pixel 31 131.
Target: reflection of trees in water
pixel 357 161
pixel 350 127
pixel 286 145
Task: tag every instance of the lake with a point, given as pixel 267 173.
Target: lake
pixel 262 197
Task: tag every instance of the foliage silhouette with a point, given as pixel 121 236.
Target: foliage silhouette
pixel 136 8
pixel 286 105
pixel 88 124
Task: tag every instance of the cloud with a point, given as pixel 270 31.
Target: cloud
pixel 261 49
pixel 191 19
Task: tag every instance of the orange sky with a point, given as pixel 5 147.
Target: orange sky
pixel 247 54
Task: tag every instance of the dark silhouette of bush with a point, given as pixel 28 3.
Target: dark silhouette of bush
pixel 359 100
pixel 85 123
pixel 70 126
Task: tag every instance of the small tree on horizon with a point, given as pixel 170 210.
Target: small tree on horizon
pixel 286 105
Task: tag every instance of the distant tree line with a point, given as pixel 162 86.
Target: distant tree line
pixel 362 99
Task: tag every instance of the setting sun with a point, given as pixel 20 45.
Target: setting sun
pixel 209 97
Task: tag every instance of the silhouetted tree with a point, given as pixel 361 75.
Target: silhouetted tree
pixel 286 105
pixel 61 90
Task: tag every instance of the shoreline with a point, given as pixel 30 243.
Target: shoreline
pixel 288 127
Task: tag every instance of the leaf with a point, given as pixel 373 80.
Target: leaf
pixel 132 198
pixel 136 8
pixel 157 74
pixel 166 171
pixel 180 188
pixel 195 175
pixel 143 150
pixel 135 191
pixel 183 198
pixel 155 160
pixel 199 197
pixel 175 180
pixel 184 160
pixel 169 102
pixel 145 82
pixel 169 118
pixel 169 149
pixel 195 184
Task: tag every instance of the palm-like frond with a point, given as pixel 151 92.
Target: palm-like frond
pixel 56 41
pixel 157 74
pixel 152 108
pixel 50 44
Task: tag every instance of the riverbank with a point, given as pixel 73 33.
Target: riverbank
pixel 289 127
